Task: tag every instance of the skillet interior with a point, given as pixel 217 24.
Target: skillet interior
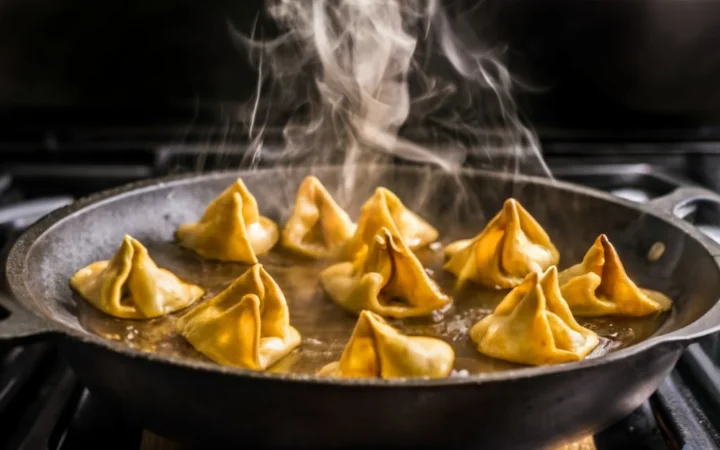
pixel 454 204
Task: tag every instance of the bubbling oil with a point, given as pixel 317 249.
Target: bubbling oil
pixel 324 326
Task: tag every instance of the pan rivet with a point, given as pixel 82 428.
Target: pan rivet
pixel 656 251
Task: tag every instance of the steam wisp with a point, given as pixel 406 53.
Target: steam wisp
pixel 350 74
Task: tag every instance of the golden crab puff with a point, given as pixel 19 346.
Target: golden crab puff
pixel 318 227
pixel 231 228
pixel 385 210
pixel 131 286
pixel 534 325
pixel 247 325
pixel 512 245
pixel 385 278
pixel 377 350
pixel 599 286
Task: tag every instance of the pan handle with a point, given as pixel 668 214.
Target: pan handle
pixel 21 324
pixel 678 202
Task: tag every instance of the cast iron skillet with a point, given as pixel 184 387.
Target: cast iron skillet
pixel 521 408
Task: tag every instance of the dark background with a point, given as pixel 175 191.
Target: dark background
pixel 600 64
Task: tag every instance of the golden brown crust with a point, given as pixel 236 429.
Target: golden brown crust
pixel 512 245
pixel 385 210
pixel 599 286
pixel 376 349
pixel 533 325
pixel 318 227
pixel 231 228
pixel 132 286
pixel 386 278
pixel 246 325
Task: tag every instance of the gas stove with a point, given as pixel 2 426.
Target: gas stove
pixel 44 406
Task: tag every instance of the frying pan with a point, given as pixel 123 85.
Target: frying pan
pixel 528 407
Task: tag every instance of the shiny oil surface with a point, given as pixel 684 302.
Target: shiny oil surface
pixel 324 326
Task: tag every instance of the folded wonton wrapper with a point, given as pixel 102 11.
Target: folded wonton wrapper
pixel 385 210
pixel 385 278
pixel 246 325
pixel 132 286
pixel 376 349
pixel 231 228
pixel 511 246
pixel 599 286
pixel 533 325
pixel 318 227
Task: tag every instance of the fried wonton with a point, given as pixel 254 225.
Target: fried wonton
pixel 386 278
pixel 599 286
pixel 246 325
pixel 385 210
pixel 378 350
pixel 318 227
pixel 511 246
pixel 231 228
pixel 533 325
pixel 132 286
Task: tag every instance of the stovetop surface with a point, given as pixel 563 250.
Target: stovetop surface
pixel 44 406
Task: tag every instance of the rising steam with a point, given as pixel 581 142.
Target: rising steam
pixel 348 75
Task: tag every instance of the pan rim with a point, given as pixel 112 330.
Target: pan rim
pixel 16 271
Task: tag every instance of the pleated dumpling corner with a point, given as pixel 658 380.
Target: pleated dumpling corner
pixel 512 245
pixel 386 278
pixel 385 210
pixel 246 325
pixel 534 325
pixel 599 286
pixel 231 228
pixel 132 286
pixel 377 350
pixel 318 227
